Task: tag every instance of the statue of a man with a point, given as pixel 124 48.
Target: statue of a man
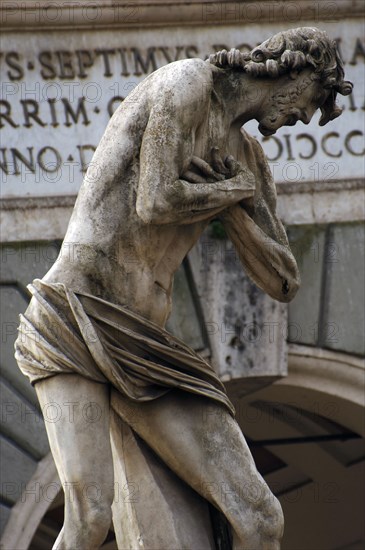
pixel 173 157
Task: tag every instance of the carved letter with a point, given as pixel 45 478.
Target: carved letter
pixel 105 55
pixel 359 50
pixel 348 143
pixel 52 166
pixel 116 99
pixel 27 104
pixel 324 144
pixel 11 59
pixel 82 148
pixel 6 115
pixel 278 143
pixel 80 110
pixel 4 164
pixel 313 143
pixel 53 111
pixel 85 60
pixel 144 63
pixel 123 59
pixel 65 61
pixel 45 59
pixel 18 156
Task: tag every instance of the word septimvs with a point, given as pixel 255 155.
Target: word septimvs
pixel 67 65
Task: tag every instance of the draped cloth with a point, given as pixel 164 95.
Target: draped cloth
pixel 67 332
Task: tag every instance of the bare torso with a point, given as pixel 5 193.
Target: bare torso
pixel 108 251
pixel 139 211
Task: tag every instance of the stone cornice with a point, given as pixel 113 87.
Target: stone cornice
pixel 46 218
pixel 289 187
pixel 45 15
pixel 283 188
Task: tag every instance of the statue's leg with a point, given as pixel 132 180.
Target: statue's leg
pixel 76 413
pixel 151 503
pixel 204 445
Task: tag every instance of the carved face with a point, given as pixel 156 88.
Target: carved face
pixel 291 98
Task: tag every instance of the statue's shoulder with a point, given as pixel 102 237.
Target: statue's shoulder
pixel 187 66
pixel 182 86
pixel 187 75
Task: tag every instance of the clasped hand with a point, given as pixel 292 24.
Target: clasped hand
pixel 201 171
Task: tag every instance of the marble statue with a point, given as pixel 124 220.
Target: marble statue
pixel 174 156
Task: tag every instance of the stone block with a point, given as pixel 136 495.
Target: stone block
pixel 184 321
pixel 343 320
pixel 16 470
pixel 20 264
pixel 308 246
pixel 12 302
pixel 22 423
pixel 245 327
pixel 24 262
pixel 4 516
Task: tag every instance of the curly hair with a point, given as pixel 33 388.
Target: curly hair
pixel 294 50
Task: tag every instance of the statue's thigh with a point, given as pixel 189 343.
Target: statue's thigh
pixel 200 441
pixel 196 437
pixel 76 415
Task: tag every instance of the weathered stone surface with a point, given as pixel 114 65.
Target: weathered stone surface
pixel 174 157
pixel 246 328
pixel 343 321
pixel 160 510
pixel 321 202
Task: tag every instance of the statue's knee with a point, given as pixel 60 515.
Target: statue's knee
pixel 95 524
pixel 89 516
pixel 272 519
pixel 99 518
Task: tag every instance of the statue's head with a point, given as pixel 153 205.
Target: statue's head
pixel 291 53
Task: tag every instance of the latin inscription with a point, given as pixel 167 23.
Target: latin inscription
pixel 55 105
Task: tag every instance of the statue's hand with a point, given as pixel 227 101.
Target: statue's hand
pixel 231 168
pixel 201 171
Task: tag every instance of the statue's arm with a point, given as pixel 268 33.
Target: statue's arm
pixel 164 196
pixel 259 236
